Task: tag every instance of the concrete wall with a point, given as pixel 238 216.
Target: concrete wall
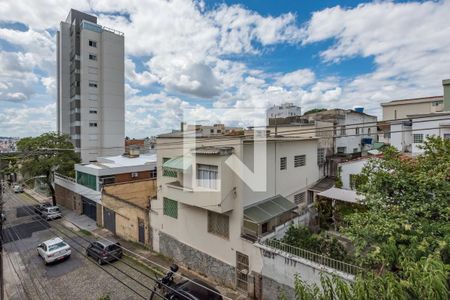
pixel 401 111
pixel 438 125
pixel 197 260
pixel 68 199
pixel 280 268
pixel 350 168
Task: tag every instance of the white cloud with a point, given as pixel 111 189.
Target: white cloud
pixel 25 120
pixel 298 78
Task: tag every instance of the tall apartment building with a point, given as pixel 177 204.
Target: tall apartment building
pixel 90 86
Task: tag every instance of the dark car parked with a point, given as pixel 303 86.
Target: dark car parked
pixel 193 290
pixel 40 207
pixel 104 251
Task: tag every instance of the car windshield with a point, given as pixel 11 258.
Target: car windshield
pixel 113 247
pixel 53 209
pixel 56 246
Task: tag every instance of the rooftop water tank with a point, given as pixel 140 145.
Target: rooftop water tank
pixel 359 109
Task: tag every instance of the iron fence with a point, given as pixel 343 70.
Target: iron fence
pixel 314 257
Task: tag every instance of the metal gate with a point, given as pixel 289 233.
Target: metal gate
pixel 89 208
pixel 109 219
pixel 141 228
pixel 242 272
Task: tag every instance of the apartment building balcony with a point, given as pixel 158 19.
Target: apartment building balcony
pixel 213 200
pixel 70 184
pixel 209 192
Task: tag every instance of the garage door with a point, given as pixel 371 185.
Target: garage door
pixel 109 219
pixel 89 208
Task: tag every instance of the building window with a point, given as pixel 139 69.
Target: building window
pixel 418 138
pixel 92 44
pixel 357 130
pixel 283 163
pixel 299 198
pixel 343 132
pixel 92 124
pixel 320 156
pixel 368 130
pixel 153 173
pixel 107 180
pixel 207 176
pixel 447 136
pixel 87 180
pixel 218 224
pixel 168 173
pixel 92 57
pixel 92 110
pixel 93 84
pixel 170 208
pixel 341 149
pixel 355 150
pixel 436 103
pixel 387 135
pixel 299 160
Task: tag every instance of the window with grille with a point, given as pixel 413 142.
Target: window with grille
pixel 218 224
pixel 166 172
pixel 299 198
pixel 283 163
pixel 170 208
pixel 341 149
pixel 418 138
pixel 207 176
pixel 320 156
pixel 299 160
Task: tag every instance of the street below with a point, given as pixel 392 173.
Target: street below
pixel 27 277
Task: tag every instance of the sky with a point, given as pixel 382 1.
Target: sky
pixel 205 56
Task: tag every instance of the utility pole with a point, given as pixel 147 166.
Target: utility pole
pixel 1 240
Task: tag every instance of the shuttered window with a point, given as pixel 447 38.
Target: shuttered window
pixel 320 156
pixel 299 198
pixel 299 160
pixel 283 163
pixel 218 224
pixel 170 208
pixel 418 138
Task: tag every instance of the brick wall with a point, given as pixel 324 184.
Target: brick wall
pixel 68 199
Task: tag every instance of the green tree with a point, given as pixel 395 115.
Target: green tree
pixel 402 237
pixel 46 154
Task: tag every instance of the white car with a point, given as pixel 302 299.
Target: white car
pixel 53 250
pixel 51 213
pixel 18 189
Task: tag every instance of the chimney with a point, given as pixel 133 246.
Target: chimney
pixel 446 86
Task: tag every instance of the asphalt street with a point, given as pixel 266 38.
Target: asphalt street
pixel 78 277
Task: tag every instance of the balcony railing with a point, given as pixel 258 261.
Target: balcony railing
pixel 314 257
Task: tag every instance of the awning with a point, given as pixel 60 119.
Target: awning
pixel 377 145
pixel 342 195
pixel 268 209
pixel 179 163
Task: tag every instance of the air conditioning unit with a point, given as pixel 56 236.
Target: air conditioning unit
pixel 134 174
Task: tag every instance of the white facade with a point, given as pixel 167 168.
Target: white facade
pixel 424 126
pixel 91 105
pixel 283 111
pixel 190 227
pixel 349 168
pixel 352 131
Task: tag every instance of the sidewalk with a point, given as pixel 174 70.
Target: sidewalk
pixel 142 254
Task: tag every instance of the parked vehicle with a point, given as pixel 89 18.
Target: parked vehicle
pixel 51 213
pixel 104 251
pixel 54 250
pixel 186 290
pixel 2 217
pixel 40 207
pixel 18 188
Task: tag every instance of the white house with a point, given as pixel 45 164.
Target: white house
pixel 426 125
pixel 207 217
pixel 283 111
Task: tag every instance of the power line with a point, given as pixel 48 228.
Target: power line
pixel 145 258
pixel 82 254
pixel 65 234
